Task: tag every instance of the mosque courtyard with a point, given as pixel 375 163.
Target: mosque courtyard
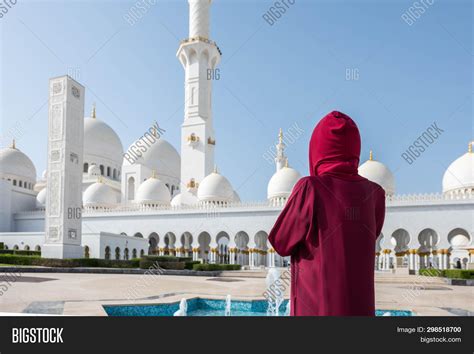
pixel 85 294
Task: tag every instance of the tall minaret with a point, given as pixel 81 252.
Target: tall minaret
pixel 280 160
pixel 199 57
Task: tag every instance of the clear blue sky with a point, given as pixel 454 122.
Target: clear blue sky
pixel 271 77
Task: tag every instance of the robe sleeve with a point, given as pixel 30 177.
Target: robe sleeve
pixel 379 212
pixel 296 219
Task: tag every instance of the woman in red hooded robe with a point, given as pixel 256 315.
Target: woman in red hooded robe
pixel 329 226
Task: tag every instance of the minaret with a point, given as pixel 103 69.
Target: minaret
pixel 280 160
pixel 199 57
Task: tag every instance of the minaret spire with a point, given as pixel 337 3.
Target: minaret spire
pixel 199 18
pixel 280 160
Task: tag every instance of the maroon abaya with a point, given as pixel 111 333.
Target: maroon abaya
pixel 329 227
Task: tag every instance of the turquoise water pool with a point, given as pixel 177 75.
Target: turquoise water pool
pixel 210 307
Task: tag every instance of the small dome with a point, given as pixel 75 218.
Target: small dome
pixel 93 170
pixel 180 200
pixel 459 241
pixel 282 182
pixel 13 162
pixel 460 174
pixel 99 195
pixel 153 191
pixel 41 198
pixel 377 172
pixel 160 156
pixel 215 188
pixel 101 141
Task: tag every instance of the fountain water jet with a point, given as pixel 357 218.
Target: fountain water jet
pixel 227 305
pixel 275 295
pixel 183 308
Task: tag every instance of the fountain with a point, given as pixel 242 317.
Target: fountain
pixel 275 297
pixel 227 305
pixel 183 308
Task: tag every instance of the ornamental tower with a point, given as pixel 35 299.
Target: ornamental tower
pixel 63 222
pixel 199 57
pixel 280 160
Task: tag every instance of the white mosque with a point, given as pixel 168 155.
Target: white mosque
pixel 177 203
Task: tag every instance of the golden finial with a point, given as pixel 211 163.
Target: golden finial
pixel 286 163
pixel 371 155
pixel 154 132
pixel 153 174
pixel 13 144
pixel 215 169
pixel 93 115
pixel 469 148
pixel 100 179
pixel 280 136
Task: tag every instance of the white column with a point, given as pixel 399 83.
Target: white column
pixel 195 253
pixel 411 260
pixel 251 257
pixel 271 257
pixel 63 214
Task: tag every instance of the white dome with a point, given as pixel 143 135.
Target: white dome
pixel 101 141
pixel 459 241
pixel 161 157
pixel 377 172
pixel 93 170
pixel 282 182
pixel 215 188
pixel 44 175
pixel 99 195
pixel 41 198
pixel 460 174
pixel 16 163
pixel 153 191
pixel 180 200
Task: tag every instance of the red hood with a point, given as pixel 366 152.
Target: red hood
pixel 334 148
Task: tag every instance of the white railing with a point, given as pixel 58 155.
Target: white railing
pixel 402 199
pixel 429 198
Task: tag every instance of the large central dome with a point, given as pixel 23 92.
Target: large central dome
pixel 160 156
pixel 101 142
